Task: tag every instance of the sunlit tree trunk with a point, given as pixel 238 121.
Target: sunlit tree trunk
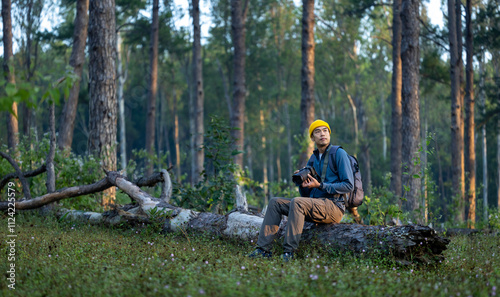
pixel 102 86
pixel 265 178
pixel 470 151
pixel 176 131
pixel 457 149
pixel 77 60
pixel 396 115
pixel 410 52
pixel 8 68
pixel 198 91
pixel 153 86
pixel 307 76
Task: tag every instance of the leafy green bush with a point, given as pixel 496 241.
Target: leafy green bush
pixel 215 192
pixel 494 219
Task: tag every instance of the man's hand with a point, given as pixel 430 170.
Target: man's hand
pixel 310 182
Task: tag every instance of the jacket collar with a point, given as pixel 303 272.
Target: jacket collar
pixel 316 151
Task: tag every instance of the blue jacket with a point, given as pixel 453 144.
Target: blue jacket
pixel 339 179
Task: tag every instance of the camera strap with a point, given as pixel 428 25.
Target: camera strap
pixel 325 163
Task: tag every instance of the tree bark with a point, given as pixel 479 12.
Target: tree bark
pixel 457 149
pixel 238 19
pixel 77 60
pixel 198 92
pixel 8 68
pixel 470 151
pixel 153 86
pixel 410 53
pixel 102 86
pixel 307 77
pixel 396 115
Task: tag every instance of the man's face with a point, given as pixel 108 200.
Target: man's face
pixel 321 136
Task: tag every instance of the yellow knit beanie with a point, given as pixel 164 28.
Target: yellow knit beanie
pixel 316 124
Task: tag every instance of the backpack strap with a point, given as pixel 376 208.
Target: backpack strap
pixel 333 151
pixel 325 162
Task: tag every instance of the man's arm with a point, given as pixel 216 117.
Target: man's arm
pixel 345 184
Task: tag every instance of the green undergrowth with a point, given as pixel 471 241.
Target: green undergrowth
pixel 59 258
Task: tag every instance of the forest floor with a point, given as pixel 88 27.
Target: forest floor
pixel 58 258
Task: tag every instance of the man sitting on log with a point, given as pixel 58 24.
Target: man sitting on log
pixel 320 202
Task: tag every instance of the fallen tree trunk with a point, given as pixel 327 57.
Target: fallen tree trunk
pixel 411 243
pixel 96 187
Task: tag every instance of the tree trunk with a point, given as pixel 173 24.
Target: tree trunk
pixel 496 65
pixel 384 126
pixel 122 78
pixel 265 179
pixel 396 115
pixel 470 151
pixel 307 77
pixel 482 102
pixel 176 131
pixel 102 86
pixel 192 129
pixel 198 91
pixel 8 68
pixel 51 176
pixel 410 52
pixel 238 19
pixel 288 140
pixel 457 149
pixel 153 86
pixel 77 60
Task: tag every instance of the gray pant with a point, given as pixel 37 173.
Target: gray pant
pixel 298 210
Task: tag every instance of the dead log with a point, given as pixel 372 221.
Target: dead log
pixel 96 187
pixel 76 191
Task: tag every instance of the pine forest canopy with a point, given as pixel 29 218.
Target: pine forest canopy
pixel 267 68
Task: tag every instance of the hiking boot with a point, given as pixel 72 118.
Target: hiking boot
pixel 355 214
pixel 259 253
pixel 287 257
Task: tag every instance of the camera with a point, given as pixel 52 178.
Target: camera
pixel 299 177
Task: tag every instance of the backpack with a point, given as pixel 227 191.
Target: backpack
pixel 354 198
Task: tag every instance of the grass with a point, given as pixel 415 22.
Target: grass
pixel 66 259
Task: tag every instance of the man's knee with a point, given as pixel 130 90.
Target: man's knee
pixel 298 202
